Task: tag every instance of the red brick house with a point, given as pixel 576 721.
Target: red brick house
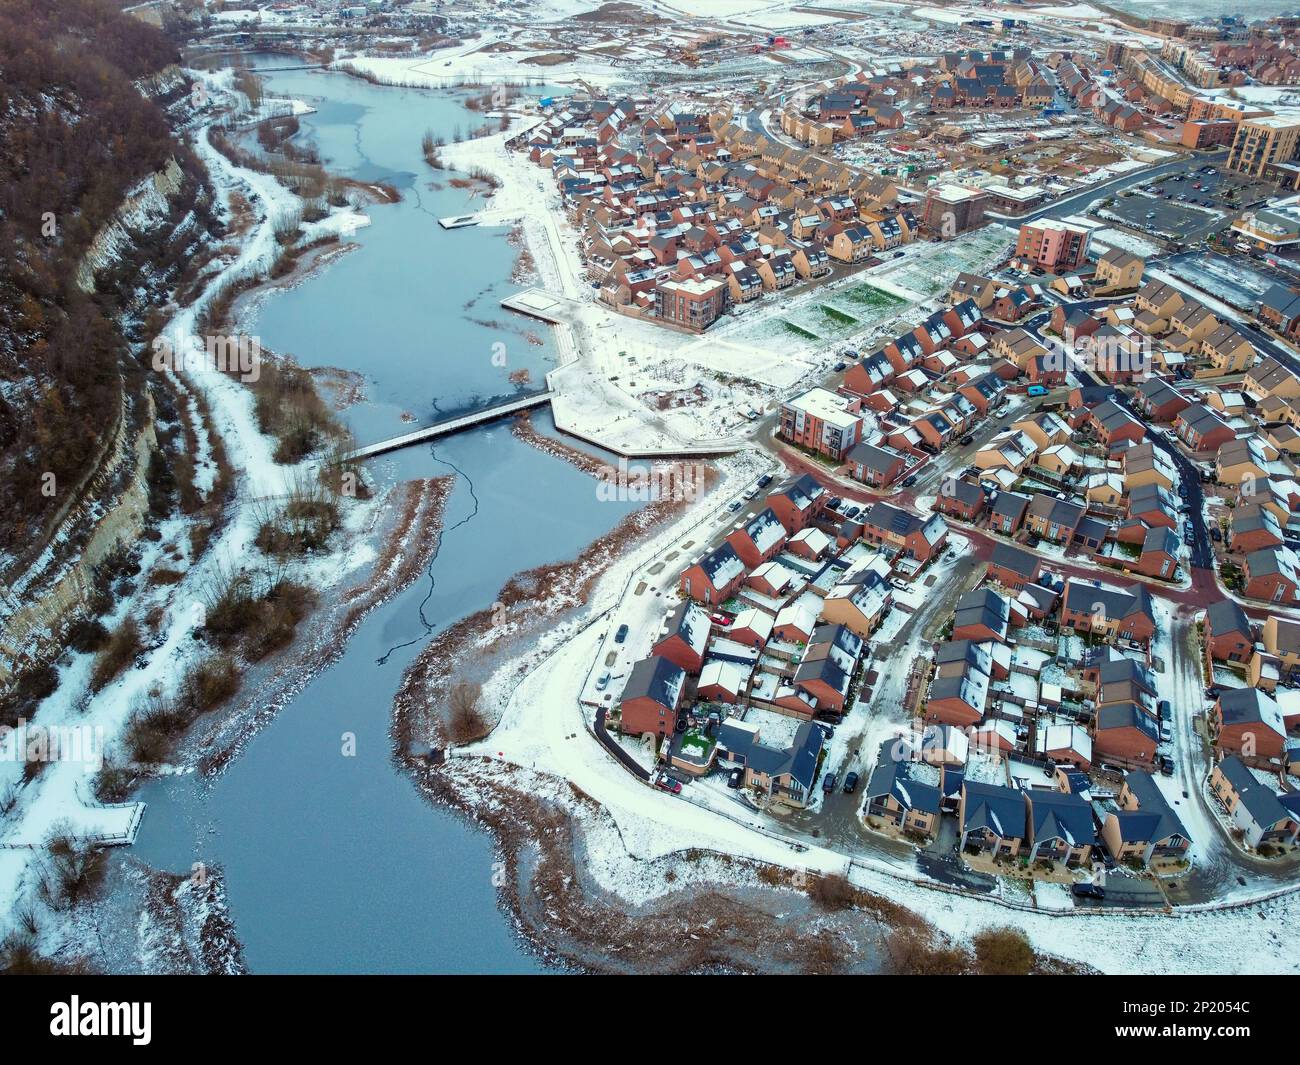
pixel 1158 401
pixel 1012 567
pixel 960 499
pixel 759 540
pixel 891 526
pixel 1228 633
pixel 1272 574
pixel 798 502
pixel 1007 512
pixel 876 465
pixel 1159 556
pixel 652 697
pixel 1248 723
pixel 684 637
pixel 1110 612
pixel 1125 733
pixel 715 577
pixel 1254 528
pixel 1201 429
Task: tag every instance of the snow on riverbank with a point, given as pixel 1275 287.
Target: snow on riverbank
pixel 60 797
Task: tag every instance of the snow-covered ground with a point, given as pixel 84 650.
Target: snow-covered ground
pixel 60 797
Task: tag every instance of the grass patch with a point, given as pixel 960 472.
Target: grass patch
pixel 799 330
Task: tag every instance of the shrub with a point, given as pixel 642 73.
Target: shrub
pixel 1003 952
pixel 74 872
pixel 465 720
pixel 122 646
pixel 209 684
pixel 832 892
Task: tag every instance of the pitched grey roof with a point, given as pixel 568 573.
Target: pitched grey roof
pixel 655 678
pixel 1226 616
pixel 1026 563
pixel 997 808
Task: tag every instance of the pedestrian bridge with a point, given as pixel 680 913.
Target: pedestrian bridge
pixel 455 424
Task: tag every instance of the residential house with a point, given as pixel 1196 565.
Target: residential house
pixel 1272 574
pixel 760 539
pixel 1125 734
pixel 891 526
pixel 993 819
pixel 1248 723
pixel 1060 827
pixel 1253 807
pixel 898 802
pixel 715 577
pixel 1007 512
pixel 1013 567
pixel 651 697
pixel 1145 829
pixel 1113 613
pixel 798 502
pixel 1228 633
pixel 684 637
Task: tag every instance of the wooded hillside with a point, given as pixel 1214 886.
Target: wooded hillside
pixel 75 136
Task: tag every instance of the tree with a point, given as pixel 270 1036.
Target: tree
pixel 466 722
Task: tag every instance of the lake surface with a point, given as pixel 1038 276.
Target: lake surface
pixel 334 863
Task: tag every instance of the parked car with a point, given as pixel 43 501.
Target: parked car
pixel 909 481
pixel 621 635
pixel 733 507
pixel 668 784
pixel 1166 711
pixel 720 619
pixel 965 440
pixel 840 367
pixel 1088 891
pixel 736 778
pixel 899 583
pixel 835 502
pixel 850 783
pixel 828 783
pixel 603 682
pixel 765 480
pixel 1166 765
pixel 1215 535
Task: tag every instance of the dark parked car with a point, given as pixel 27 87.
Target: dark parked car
pixel 765 480
pixel 909 481
pixel 850 783
pixel 621 635
pixel 1215 535
pixel 1166 711
pixel 840 367
pixel 1167 765
pixel 1088 891
pixel 735 778
pixel 828 783
pixel 967 439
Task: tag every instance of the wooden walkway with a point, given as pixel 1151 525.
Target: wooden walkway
pixel 451 425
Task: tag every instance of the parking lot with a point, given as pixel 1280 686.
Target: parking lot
pixel 1151 213
pixel 1186 206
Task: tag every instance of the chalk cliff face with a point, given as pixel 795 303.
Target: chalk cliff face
pixel 97 218
pixel 144 209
